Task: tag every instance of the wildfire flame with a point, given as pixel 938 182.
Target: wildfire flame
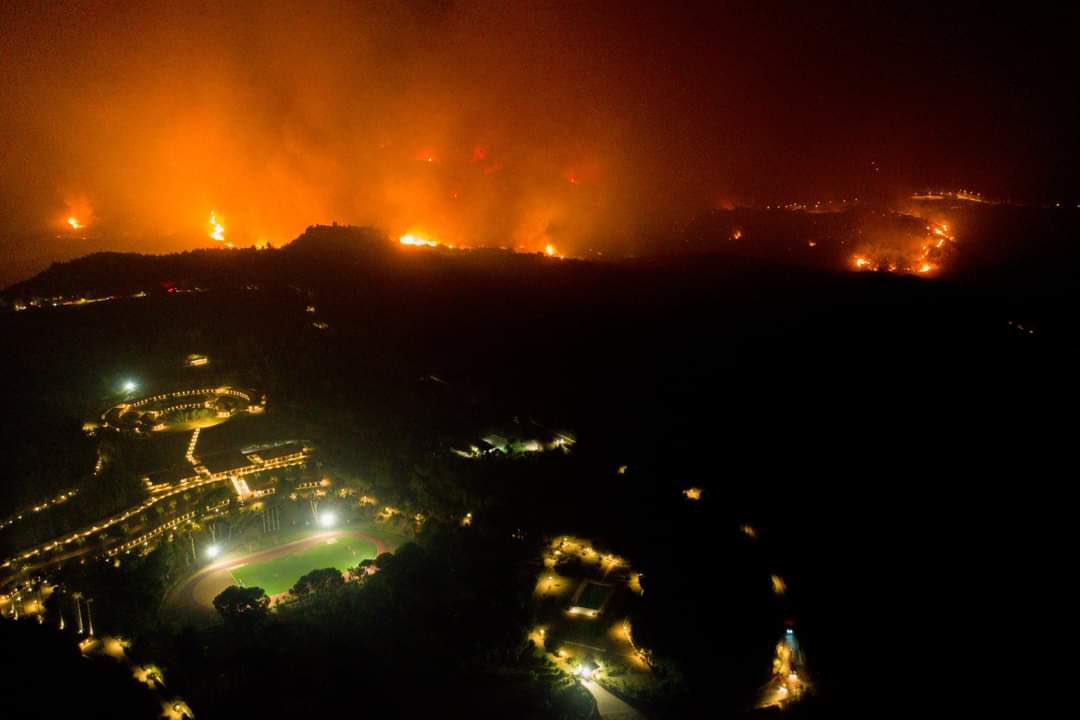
pixel 923 258
pixel 417 240
pixel 217 231
pixel 549 250
pixel 78 214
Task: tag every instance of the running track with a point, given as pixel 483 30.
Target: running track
pixel 191 599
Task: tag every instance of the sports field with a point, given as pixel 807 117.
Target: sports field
pixel 278 574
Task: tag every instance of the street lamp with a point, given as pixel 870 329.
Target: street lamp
pixel 584 672
pixel 328 519
pixel 212 551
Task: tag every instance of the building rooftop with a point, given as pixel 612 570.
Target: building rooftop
pixel 278 451
pixel 225 461
pixel 173 475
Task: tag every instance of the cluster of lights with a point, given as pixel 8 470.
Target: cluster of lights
pixel 190 455
pixel 62 497
pixel 145 538
pixel 206 398
pixel 787 684
pixel 969 195
pixel 567 545
pixel 814 206
pixel 183 486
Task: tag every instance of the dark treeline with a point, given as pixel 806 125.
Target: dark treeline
pixel 438 629
pixel 1006 248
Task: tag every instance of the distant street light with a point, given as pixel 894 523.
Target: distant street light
pixel 328 519
pixel 212 551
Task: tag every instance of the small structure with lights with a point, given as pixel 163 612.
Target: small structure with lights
pixel 788 681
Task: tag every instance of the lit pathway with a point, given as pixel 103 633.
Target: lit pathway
pixel 190 456
pixel 611 707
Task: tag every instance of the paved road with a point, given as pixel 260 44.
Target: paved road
pixel 611 707
pixel 608 705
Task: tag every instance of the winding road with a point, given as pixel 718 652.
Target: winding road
pixel 609 706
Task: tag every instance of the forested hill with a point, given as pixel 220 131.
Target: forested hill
pixel 1001 250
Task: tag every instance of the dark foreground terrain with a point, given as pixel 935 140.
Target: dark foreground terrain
pixel 888 436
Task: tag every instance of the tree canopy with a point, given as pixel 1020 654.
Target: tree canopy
pixel 237 604
pixel 317 581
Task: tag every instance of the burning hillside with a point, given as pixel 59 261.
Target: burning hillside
pixel 906 252
pixel 858 239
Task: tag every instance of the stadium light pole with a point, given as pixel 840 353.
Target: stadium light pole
pixel 78 610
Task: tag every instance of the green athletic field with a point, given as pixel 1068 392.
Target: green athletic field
pixel 281 573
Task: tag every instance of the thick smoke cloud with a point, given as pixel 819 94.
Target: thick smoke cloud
pixel 585 125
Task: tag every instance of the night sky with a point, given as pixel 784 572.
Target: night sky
pixel 513 124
